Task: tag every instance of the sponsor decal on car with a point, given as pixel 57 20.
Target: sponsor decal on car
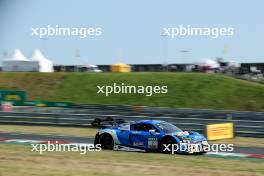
pixel 152 143
pixel 138 143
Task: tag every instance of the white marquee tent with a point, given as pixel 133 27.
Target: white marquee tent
pixel 45 65
pixel 18 62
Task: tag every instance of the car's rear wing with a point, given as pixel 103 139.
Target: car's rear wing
pixel 106 122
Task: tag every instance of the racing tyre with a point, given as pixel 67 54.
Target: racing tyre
pixel 106 141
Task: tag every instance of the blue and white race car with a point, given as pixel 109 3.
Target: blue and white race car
pixel 150 135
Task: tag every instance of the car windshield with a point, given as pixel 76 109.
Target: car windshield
pixel 168 128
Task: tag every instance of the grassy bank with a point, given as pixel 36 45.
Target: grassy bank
pixel 49 130
pixel 192 90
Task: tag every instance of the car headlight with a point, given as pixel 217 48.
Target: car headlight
pixel 204 142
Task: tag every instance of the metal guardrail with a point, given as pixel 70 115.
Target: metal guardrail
pixel 246 123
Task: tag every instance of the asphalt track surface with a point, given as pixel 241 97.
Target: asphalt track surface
pixel 71 139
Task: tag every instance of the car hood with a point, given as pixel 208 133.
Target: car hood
pixel 192 136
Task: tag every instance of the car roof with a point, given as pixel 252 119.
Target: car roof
pixel 149 121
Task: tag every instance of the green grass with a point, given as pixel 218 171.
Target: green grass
pixel 50 130
pixel 16 160
pixel 189 90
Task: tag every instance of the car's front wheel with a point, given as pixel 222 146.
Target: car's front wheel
pixel 106 141
pixel 167 145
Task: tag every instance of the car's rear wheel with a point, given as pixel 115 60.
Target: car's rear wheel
pixel 166 145
pixel 106 141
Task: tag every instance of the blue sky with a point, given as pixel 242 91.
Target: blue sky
pixel 131 30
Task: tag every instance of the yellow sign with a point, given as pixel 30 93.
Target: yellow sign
pixel 41 105
pixel 13 97
pixel 220 131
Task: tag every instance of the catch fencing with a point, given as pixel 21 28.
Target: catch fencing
pixel 249 124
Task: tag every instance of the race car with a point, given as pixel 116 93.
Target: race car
pixel 150 135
